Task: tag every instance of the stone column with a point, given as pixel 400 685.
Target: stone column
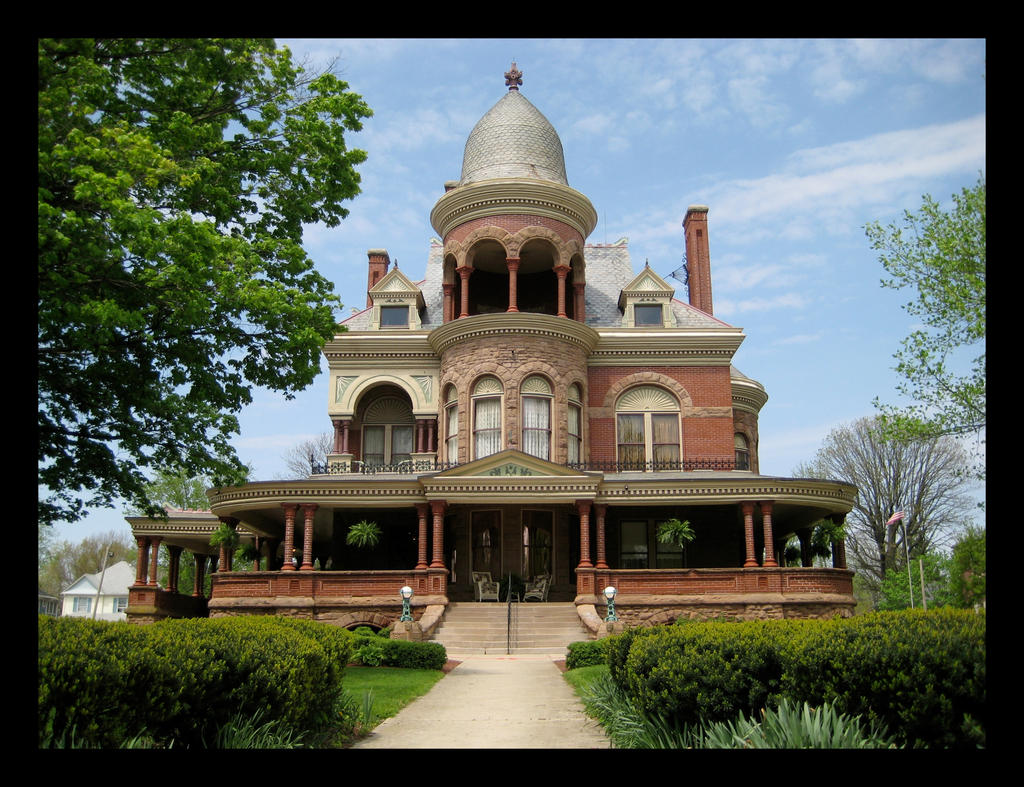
pixel 513 270
pixel 583 507
pixel 599 512
pixel 345 424
pixel 309 509
pixel 432 434
pixel 337 436
pixel 748 529
pixel 437 507
pixel 289 534
pixel 154 543
pixel 580 302
pixel 464 274
pixel 448 309
pixel 769 541
pixel 142 560
pixel 422 511
pixel 175 566
pixel 561 271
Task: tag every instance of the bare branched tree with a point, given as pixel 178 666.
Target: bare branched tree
pixel 316 449
pixel 926 478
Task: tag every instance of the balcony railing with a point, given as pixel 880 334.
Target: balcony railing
pixel 407 466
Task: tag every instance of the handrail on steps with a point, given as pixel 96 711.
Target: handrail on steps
pixel 512 624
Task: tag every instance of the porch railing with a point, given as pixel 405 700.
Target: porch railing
pixel 358 467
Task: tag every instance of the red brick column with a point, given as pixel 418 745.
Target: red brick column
pixel 142 561
pixel 464 274
pixel 197 581
pixel 422 510
pixel 175 566
pixel 769 542
pixel 561 271
pixel 513 270
pixel 432 434
pixel 227 556
pixel 583 506
pixel 437 507
pixel 309 509
pixel 748 529
pixel 289 534
pixel 154 543
pixel 599 511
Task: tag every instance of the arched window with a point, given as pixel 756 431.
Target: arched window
pixel 536 414
pixel 575 441
pixel 451 425
pixel 387 432
pixel 648 429
pixel 487 417
pixel 742 452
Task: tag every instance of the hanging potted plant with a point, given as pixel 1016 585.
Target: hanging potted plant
pixel 363 535
pixel 675 531
pixel 226 538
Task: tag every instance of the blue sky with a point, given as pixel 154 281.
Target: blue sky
pixel 794 145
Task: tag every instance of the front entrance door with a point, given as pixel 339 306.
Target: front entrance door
pixel 486 534
pixel 538 542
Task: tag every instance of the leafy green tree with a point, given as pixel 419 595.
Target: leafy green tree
pixel 941 255
pixel 967 572
pixel 175 177
pixel 64 562
pixel 898 586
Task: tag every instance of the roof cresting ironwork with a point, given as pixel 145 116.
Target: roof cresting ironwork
pixel 513 77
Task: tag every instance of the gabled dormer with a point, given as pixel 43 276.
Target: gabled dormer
pixel 646 302
pixel 396 303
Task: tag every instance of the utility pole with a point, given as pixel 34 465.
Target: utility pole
pixel 108 554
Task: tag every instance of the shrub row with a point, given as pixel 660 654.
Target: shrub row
pixel 921 674
pixel 182 680
pixel 375 650
pixel 586 653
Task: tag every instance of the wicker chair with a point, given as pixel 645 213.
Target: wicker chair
pixel 485 588
pixel 537 588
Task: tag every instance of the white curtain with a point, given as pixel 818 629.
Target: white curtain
pixel 631 440
pixel 488 427
pixel 665 430
pixel 401 444
pixel 373 445
pixel 452 432
pixel 537 426
pixel 574 433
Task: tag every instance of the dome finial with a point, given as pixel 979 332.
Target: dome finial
pixel 513 77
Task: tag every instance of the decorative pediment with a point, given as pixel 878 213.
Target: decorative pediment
pixel 396 301
pixel 511 476
pixel 653 295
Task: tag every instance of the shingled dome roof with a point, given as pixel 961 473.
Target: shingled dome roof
pixel 513 140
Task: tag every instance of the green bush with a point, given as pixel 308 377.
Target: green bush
pixel 920 674
pixel 402 653
pixel 182 680
pixel 586 653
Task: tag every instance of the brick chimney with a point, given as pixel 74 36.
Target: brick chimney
pixel 379 262
pixel 698 257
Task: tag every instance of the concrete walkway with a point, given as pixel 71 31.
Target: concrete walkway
pixel 493 702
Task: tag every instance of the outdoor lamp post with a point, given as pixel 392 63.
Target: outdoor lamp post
pixel 406 593
pixel 609 593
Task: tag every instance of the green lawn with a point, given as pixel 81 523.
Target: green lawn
pixel 389 688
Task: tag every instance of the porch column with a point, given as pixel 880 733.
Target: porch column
pixel 464 273
pixel 431 434
pixel 420 432
pixel 769 542
pixel 309 509
pixel 422 510
pixel 200 574
pixel 513 270
pixel 227 555
pixel 289 534
pixel 154 543
pixel 256 560
pixel 839 547
pixel 172 572
pixel 583 507
pixel 344 434
pixel 599 511
pixel 437 507
pixel 142 560
pixel 561 271
pixel 748 529
pixel 337 436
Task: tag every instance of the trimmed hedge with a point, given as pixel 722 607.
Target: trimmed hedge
pixel 400 652
pixel 181 680
pixel 922 674
pixel 586 653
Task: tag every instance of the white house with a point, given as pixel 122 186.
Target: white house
pixel 109 601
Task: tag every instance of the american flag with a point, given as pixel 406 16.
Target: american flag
pixel 896 517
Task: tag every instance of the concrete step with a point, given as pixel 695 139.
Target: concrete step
pixel 482 627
